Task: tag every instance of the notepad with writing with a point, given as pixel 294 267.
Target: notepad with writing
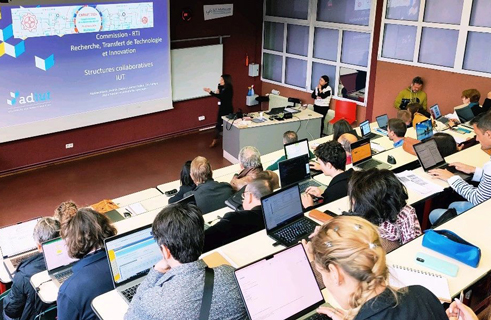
pixel 403 276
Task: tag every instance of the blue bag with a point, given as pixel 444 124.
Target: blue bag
pixel 448 243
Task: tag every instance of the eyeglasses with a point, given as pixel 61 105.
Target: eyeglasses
pixel 243 195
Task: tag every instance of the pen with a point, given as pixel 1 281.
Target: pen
pixel 461 298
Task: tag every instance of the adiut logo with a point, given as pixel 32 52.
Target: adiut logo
pixel 33 97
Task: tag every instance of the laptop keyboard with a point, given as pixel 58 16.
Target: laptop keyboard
pixel 130 292
pixel 62 276
pixel 309 183
pixel 293 232
pixel 369 164
pixel 318 316
pixel 16 261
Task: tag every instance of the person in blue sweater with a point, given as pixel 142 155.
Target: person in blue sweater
pixel 84 234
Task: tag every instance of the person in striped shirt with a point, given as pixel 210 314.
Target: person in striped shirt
pixel 473 195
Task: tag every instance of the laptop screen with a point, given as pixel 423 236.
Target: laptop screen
pixel 281 206
pixel 360 151
pixel 435 111
pixel 188 200
pixel 281 286
pixel 18 238
pixel 428 154
pixel 382 121
pixel 297 149
pixel 424 130
pixel 132 254
pixel 56 254
pixel 365 128
pixel 294 170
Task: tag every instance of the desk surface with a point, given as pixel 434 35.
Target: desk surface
pixel 304 114
pixel 137 197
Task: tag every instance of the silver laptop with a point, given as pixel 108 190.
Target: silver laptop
pixel 382 122
pixel 17 244
pixel 131 255
pixel 435 112
pixel 58 263
pixel 366 131
pixel 361 156
pixel 280 286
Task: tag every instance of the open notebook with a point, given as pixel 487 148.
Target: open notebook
pixel 403 276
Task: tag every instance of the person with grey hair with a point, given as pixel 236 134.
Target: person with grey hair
pixel 21 302
pixel 250 165
pixel 239 224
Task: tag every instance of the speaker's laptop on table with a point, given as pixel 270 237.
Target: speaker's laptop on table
pixel 430 158
pixel 131 255
pixel 424 130
pixel 361 156
pixel 280 286
pixel 58 262
pixel 366 131
pixel 297 171
pixel 382 122
pixel 435 112
pixel 297 149
pixel 283 216
pixel 17 244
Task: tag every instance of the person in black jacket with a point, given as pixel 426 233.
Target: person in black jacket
pixel 239 224
pixel 347 252
pixel 187 183
pixel 225 94
pixel 22 301
pixel 332 161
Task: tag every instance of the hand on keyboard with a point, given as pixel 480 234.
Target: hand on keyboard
pixel 441 174
pixel 335 314
pixel 307 200
pixel 315 191
pixel 463 167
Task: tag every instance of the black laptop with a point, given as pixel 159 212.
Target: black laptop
pixel 297 149
pixel 297 171
pixel 283 216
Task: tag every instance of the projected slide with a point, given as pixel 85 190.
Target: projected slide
pixel 74 65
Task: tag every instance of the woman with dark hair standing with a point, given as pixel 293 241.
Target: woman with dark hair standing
pixel 225 94
pixel 322 96
pixel 187 183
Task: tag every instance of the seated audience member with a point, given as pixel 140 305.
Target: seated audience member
pixel 239 224
pixel 209 194
pixel 445 143
pixel 378 196
pixel 271 177
pixel 408 145
pixel 84 234
pixel 65 209
pixel 22 301
pixel 411 94
pixel 332 161
pixel 396 130
pixel 288 137
pixel 347 252
pixel 340 127
pixel 250 165
pixel 473 195
pixel 187 183
pixel 406 117
pixel 418 113
pixel 346 140
pixel 173 289
pixel 471 97
pixel 486 106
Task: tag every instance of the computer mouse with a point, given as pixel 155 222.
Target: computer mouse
pixel 391 159
pixel 127 215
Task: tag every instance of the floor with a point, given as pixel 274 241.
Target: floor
pixel 107 176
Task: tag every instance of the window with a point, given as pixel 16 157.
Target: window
pixel 306 39
pixel 450 35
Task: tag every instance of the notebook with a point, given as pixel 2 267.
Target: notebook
pixel 404 276
pixel 58 263
pixel 280 286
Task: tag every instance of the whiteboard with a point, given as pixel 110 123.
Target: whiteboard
pixel 194 69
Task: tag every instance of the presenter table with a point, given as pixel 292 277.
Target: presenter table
pixel 268 136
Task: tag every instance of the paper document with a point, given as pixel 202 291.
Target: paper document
pixel 376 147
pixel 418 184
pixel 135 209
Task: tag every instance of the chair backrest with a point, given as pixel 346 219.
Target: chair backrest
pixel 345 109
pixel 48 314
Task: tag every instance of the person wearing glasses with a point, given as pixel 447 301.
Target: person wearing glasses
pixel 238 224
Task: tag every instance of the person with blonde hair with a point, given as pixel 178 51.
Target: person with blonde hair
pixel 348 254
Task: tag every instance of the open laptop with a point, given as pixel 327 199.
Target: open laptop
pixel 424 130
pixel 131 255
pixel 361 156
pixel 297 171
pixel 280 286
pixel 17 244
pixel 430 158
pixel 58 262
pixel 435 112
pixel 366 131
pixel 283 216
pixel 382 122
pixel 297 149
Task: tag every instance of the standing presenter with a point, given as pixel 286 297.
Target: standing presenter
pixel 224 93
pixel 322 96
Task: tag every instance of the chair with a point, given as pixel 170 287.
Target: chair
pixel 2 296
pixel 48 314
pixel 344 110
